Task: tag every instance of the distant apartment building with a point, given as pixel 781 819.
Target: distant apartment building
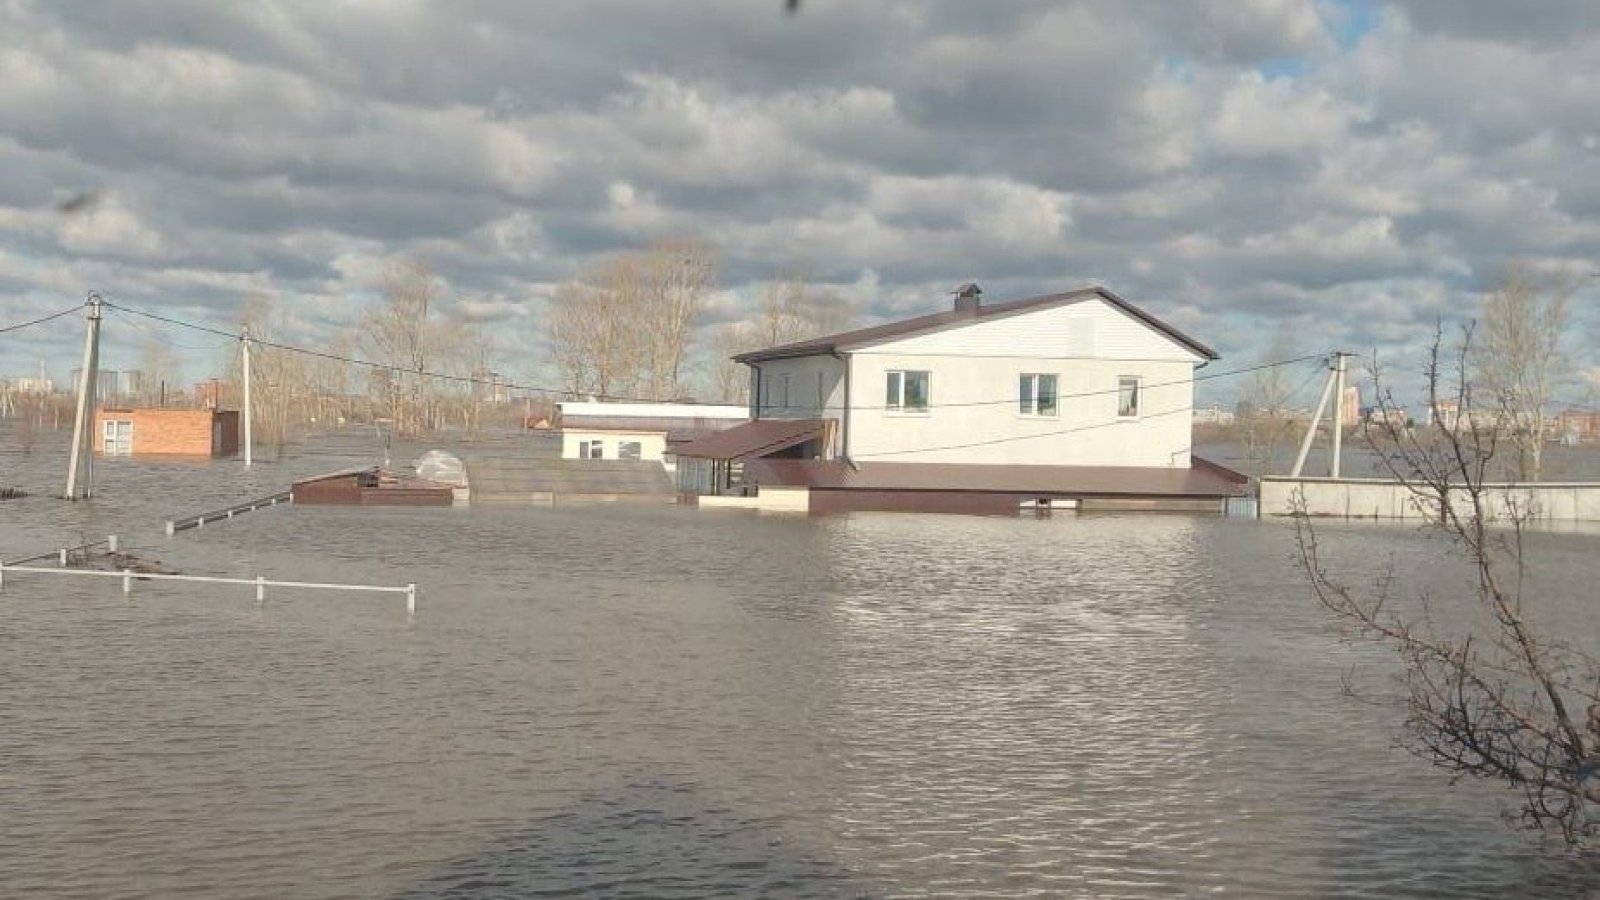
pixel 112 385
pixel 1390 417
pixel 1213 415
pixel 1577 426
pixel 1350 407
pixel 27 384
pixel 490 387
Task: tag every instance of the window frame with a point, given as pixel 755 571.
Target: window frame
pixel 1034 380
pixel 1138 397
pixel 895 396
pixel 638 450
pixel 592 449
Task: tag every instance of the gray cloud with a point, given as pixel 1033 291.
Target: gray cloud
pixel 1228 163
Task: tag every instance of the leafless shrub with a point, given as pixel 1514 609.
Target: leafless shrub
pixel 1502 701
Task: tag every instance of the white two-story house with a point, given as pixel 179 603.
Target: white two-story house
pixel 1079 396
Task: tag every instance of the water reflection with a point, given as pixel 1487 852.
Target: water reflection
pixel 646 838
pixel 617 701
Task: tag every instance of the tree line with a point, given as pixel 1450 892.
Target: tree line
pixel 632 326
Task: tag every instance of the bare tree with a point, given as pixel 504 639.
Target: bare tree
pixel 158 367
pixel 1503 700
pixel 406 334
pixel 787 310
pixel 1266 422
pixel 594 337
pixel 622 329
pixel 676 277
pixel 1518 359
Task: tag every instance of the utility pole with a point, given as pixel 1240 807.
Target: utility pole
pixel 80 469
pixel 1333 387
pixel 249 434
pixel 1338 413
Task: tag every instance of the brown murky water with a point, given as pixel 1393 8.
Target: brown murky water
pixel 660 702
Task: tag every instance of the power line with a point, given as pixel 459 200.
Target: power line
pixel 65 312
pixel 1080 428
pixel 463 379
pixel 1101 393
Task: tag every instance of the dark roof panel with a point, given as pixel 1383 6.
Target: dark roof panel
pixel 752 439
pixel 954 317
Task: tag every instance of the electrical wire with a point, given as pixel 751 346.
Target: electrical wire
pixel 464 379
pixel 53 316
pixel 1056 433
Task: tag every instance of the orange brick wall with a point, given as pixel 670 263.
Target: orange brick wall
pixel 171 432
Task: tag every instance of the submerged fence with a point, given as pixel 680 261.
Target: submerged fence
pixel 198 521
pixel 261 584
pixel 63 554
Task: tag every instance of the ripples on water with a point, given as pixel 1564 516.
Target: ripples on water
pixel 669 703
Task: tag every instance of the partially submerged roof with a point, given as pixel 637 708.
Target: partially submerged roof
pixel 501 477
pixel 951 318
pixel 1203 479
pixel 752 439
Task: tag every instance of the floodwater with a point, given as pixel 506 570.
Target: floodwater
pixel 662 702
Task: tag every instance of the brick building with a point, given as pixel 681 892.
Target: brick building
pixel 166 432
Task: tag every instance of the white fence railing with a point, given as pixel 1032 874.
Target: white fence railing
pixel 199 521
pixel 261 584
pixel 61 554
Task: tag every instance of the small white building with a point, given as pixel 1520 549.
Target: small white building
pixel 638 431
pixel 974 408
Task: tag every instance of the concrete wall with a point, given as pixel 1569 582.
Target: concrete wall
pixel 769 499
pixel 1372 498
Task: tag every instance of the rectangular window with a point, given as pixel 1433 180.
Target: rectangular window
pixel 591 450
pixel 907 391
pixel 1128 397
pixel 118 438
pixel 629 449
pixel 1036 394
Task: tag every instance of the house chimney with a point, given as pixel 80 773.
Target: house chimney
pixel 967 298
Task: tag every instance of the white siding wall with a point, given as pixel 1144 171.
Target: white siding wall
pixel 974 400
pixel 652 443
pixel 808 377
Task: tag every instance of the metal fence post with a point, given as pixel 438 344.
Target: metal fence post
pixel 127 582
pixel 261 589
pixel 63 557
pixel 411 597
pixel 170 528
pixel 111 542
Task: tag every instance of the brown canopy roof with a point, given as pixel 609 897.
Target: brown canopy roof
pixel 752 439
pixel 1203 479
pixel 955 317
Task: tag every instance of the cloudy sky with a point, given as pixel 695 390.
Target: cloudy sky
pixel 1351 167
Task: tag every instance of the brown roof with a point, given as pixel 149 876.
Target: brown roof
pixel 956 317
pixel 1203 479
pixel 756 438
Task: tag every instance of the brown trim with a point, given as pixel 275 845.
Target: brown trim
pixel 993 503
